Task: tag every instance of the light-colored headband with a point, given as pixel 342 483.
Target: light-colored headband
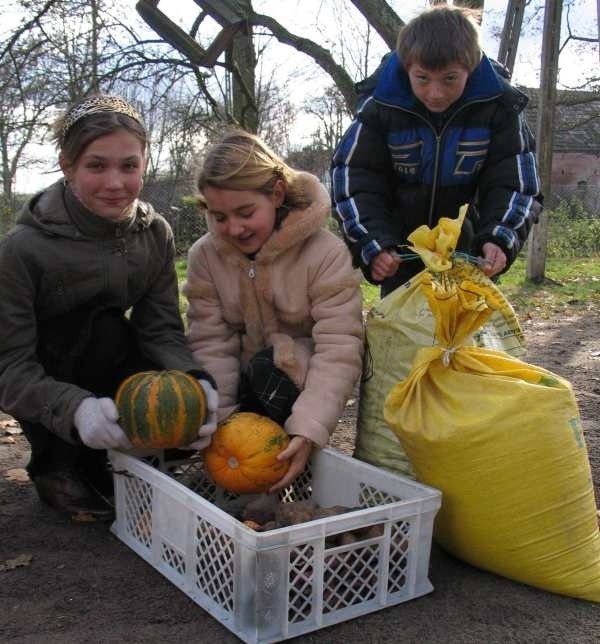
pixel 95 104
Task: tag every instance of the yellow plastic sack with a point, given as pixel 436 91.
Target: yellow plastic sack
pixel 401 324
pixel 503 441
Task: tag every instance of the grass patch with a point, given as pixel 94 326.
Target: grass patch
pixel 181 267
pixel 570 286
pixel 370 294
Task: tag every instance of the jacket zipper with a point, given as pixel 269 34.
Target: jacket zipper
pixel 252 275
pixel 438 141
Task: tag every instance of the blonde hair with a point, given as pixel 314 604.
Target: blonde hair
pixel 242 161
pixel 439 37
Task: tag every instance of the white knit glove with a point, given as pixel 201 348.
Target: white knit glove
pixel 96 422
pixel 206 431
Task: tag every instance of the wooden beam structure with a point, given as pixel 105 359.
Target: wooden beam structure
pixel 509 41
pixel 538 239
pixel 222 12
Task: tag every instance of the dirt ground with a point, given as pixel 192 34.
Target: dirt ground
pixel 78 583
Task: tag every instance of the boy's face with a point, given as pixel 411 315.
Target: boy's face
pixel 438 89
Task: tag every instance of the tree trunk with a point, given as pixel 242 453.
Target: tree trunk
pixel 320 55
pixel 476 5
pixel 470 4
pixel 536 258
pixel 598 21
pixel 7 198
pixel 94 45
pixel 382 18
pixel 241 58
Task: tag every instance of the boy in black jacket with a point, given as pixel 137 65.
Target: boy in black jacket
pixel 440 126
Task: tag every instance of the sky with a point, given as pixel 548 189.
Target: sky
pixel 315 19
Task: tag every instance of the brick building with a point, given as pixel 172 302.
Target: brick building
pixel 576 157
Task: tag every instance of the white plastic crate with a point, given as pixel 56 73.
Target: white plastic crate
pixel 270 586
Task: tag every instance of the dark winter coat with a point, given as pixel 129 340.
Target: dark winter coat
pixel 397 167
pixel 60 259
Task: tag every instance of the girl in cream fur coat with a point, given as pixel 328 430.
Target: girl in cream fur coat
pixel 274 303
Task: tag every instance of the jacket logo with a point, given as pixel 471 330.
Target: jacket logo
pixel 470 156
pixel 407 158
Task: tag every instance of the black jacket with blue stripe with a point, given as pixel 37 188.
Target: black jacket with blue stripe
pixel 395 168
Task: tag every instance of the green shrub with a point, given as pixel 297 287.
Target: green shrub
pixel 572 232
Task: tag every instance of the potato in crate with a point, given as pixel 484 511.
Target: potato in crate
pixel 273 585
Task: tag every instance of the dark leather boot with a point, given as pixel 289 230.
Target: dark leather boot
pixel 68 492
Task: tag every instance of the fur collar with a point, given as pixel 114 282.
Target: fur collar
pixel 298 226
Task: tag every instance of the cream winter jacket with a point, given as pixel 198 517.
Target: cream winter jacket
pixel 299 295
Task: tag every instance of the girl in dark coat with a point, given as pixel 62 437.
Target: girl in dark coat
pixel 83 253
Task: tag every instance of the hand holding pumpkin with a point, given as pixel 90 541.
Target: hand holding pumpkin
pixel 96 422
pixel 243 456
pixel 209 427
pixel 297 452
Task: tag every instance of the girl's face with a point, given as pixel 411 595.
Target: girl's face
pixel 438 89
pixel 107 177
pixel 245 218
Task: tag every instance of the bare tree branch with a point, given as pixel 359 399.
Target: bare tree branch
pixel 26 27
pixel 382 18
pixel 319 54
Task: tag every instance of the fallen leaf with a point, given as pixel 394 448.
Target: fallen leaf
pixel 8 422
pixel 17 562
pixel 17 474
pixel 83 517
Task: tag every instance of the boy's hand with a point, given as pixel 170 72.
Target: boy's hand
pixel 384 265
pixel 298 451
pixel 495 259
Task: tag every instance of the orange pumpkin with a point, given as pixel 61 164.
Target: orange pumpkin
pixel 242 455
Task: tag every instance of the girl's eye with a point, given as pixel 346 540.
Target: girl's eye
pixel 246 214
pixel 219 218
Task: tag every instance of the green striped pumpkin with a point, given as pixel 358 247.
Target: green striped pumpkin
pixel 161 409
